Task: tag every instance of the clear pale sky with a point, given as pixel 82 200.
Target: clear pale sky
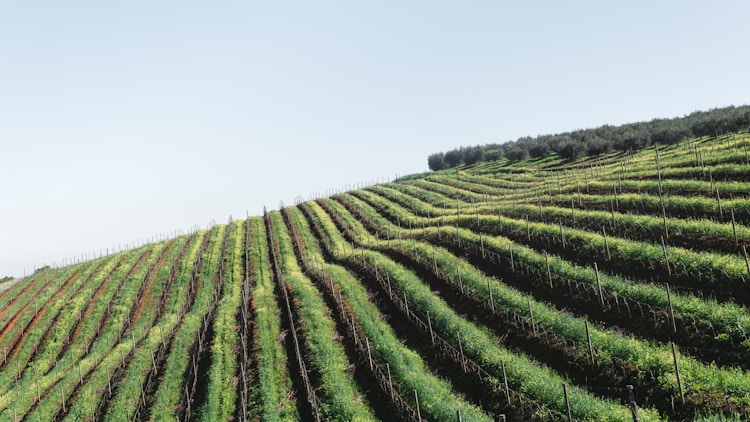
pixel 124 120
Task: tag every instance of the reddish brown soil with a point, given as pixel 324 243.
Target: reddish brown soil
pixel 145 298
pixel 22 293
pixel 29 327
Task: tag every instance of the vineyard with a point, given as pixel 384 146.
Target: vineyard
pixel 609 288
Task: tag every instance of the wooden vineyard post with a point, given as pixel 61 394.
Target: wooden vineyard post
pixel 588 340
pixel 390 380
pixel 458 215
pixel 617 201
pixel 109 382
pixel 661 193
pixel 599 285
pixel 461 349
pixel 406 304
pixel 541 212
pixel 586 180
pixel 481 241
pixel 671 310
pixel 62 395
pixel 354 328
pixel 664 220
pixel 512 264
pixel 429 324
pixel 143 392
pixel 573 211
pixel 416 400
pixel 528 230
pixel 734 228
pixel 492 301
pixel 677 372
pixel 476 209
pixel 153 362
pixel 549 273
pixel 631 402
pixel 531 316
pixel 666 258
pixel 606 244
pixel 718 203
pixel 567 402
pixel 505 382
pixel 658 166
pixel 458 415
pixel 38 391
pixel 747 261
pixel 562 235
pixel 369 354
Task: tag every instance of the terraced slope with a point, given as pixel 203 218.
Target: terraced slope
pixel 597 290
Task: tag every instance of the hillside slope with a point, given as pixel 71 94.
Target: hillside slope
pixel 540 289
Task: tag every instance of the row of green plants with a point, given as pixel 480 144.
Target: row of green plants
pixel 728 319
pixel 83 340
pixel 656 359
pixel 22 287
pixel 272 397
pixel 221 400
pixel 169 398
pixel 674 205
pixel 671 152
pixel 121 322
pixel 537 382
pixel 684 232
pixel 147 330
pixel 410 372
pixel 669 187
pixel 690 267
pixel 47 347
pixel 69 369
pixel 342 398
pixel 727 166
pixel 20 312
pixel 22 372
pixel 82 334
